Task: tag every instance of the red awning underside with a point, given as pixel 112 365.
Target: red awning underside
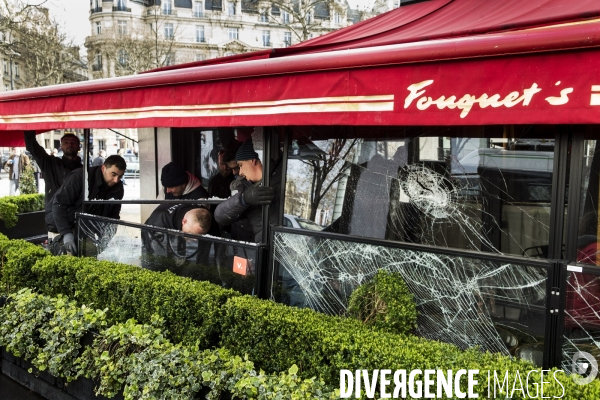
pixel 391 75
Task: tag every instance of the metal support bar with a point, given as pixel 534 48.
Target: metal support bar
pixel 156 201
pixel 156 160
pixel 229 242
pixel 86 159
pixel 126 137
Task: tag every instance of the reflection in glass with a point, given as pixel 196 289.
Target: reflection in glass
pixel 468 193
pixel 461 300
pixel 225 263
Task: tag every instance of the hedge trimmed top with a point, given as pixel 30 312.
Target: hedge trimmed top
pixel 10 206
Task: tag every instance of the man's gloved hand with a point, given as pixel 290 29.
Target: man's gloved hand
pixel 257 195
pixel 69 243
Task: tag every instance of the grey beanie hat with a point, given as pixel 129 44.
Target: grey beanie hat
pixel 246 152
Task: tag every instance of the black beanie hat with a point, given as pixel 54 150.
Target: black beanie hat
pixel 246 152
pixel 173 175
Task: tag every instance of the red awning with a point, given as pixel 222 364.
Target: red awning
pixel 437 19
pixel 544 75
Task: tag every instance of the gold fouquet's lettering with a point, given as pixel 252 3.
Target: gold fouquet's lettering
pixel 467 101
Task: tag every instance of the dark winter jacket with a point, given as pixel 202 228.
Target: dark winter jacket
pixel 69 199
pixel 53 168
pixel 164 216
pixel 218 186
pixel 245 218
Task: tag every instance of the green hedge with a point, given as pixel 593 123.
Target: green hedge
pixel 273 336
pixel 10 206
pixel 385 303
pixel 191 309
pixel 134 359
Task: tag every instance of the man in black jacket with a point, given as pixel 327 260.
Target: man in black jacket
pixel 186 218
pixel 54 169
pixel 178 184
pixel 245 207
pixel 104 183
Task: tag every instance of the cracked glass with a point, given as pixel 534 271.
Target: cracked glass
pixel 224 262
pixel 466 301
pixel 582 309
pixel 482 189
pixel 481 194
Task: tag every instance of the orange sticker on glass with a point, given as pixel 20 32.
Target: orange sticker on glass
pixel 240 265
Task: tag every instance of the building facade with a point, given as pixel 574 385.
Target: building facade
pixel 194 30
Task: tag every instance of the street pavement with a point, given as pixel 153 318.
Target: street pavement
pixel 129 212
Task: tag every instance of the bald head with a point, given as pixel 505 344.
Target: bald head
pixel 196 221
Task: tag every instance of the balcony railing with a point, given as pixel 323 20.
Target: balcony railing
pixel 96 67
pixel 198 14
pixel 267 44
pixel 121 8
pixel 96 10
pixel 200 40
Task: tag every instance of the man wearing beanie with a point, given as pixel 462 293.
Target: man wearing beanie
pixel 179 184
pixel 245 207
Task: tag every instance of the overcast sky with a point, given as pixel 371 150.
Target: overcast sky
pixel 74 16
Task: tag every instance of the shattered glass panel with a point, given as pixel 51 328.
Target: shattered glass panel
pixel 224 262
pixel 582 310
pixel 582 317
pixel 465 301
pixel 478 194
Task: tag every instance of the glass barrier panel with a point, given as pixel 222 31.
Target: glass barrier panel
pixel 588 228
pixel 582 319
pixel 465 301
pixel 223 262
pixel 481 194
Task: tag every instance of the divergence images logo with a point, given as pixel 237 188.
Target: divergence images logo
pixel 584 364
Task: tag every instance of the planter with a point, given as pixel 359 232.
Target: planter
pixel 46 385
pixel 31 227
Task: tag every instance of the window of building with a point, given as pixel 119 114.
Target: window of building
pixel 229 53
pixel 98 28
pixel 200 57
pixel 17 71
pixel 230 8
pixel 264 17
pixel 198 10
pixel 101 144
pixel 396 3
pixel 122 27
pixel 200 34
pixel 97 66
pixel 167 7
pixel 168 31
pixel 285 17
pixel 5 67
pixel 287 39
pixel 337 18
pixel 169 59
pixel 266 37
pixel 121 5
pixel 123 57
pixel 308 18
pixel 233 33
